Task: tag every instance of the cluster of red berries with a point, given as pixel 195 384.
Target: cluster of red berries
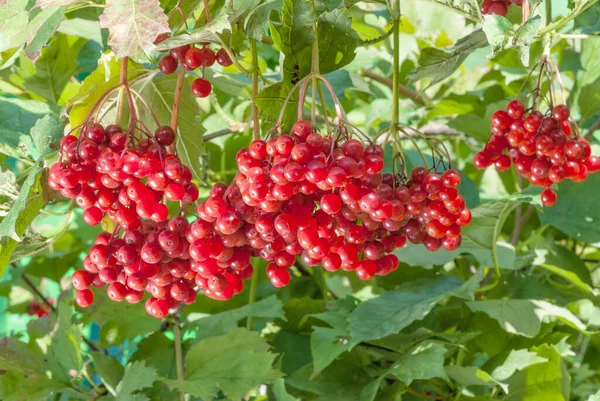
pixel 154 258
pixel 498 7
pixel 103 173
pixel 192 58
pixel 541 147
pixel 108 175
pixel 328 202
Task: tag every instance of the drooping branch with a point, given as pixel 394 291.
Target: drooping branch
pixel 402 90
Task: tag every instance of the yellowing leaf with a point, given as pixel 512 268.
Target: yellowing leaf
pixel 133 25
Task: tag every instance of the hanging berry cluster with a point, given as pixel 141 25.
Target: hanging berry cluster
pixel 498 7
pixel 326 200
pixel 192 58
pixel 543 147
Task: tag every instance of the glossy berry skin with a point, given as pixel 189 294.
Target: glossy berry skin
pixel 165 135
pixel 201 87
pixel 223 58
pixel 168 64
pixel 84 298
pixel 548 197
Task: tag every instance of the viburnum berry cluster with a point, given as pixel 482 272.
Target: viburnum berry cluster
pixel 498 7
pixel 192 58
pixel 326 200
pixel 543 147
pixel 109 173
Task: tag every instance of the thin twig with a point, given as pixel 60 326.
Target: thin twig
pixel 179 357
pixel 255 71
pixel 403 90
pixel 520 222
pixel 176 103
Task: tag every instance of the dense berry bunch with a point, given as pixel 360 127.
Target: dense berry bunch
pixel 109 174
pixel 327 201
pixel 191 58
pixel 542 147
pixel 152 258
pixel 104 173
pixel 498 7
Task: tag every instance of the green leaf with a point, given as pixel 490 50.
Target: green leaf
pixel 590 61
pixel 295 39
pixel 13 19
pixel 46 134
pixel 576 212
pixel 425 361
pixel 525 35
pixel 525 317
pixel 472 376
pixel 159 353
pixel 54 69
pixel 25 375
pixel 326 344
pixel 64 352
pixel 41 28
pixel 206 33
pixel 109 369
pixel 159 93
pixel 343 380
pixel 234 363
pixel 572 277
pixel 277 392
pixel 516 360
pixel 498 31
pixel 589 100
pixel 438 65
pixel 392 311
pixel 137 376
pixel 337 40
pixel 270 101
pixel 24 209
pixel 256 24
pixel 221 323
pixel 133 26
pixel 542 381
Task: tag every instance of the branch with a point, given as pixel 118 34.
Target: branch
pixel 177 102
pixel 403 90
pixel 593 128
pixel 520 222
pixel 179 357
pixel 255 71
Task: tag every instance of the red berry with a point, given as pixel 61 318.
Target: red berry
pixel 84 298
pixel 201 87
pixel 548 197
pixel 168 64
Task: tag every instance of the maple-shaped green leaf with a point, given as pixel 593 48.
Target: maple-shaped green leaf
pixel 137 377
pixel 277 392
pixel 13 18
pixel 234 363
pixel 133 25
